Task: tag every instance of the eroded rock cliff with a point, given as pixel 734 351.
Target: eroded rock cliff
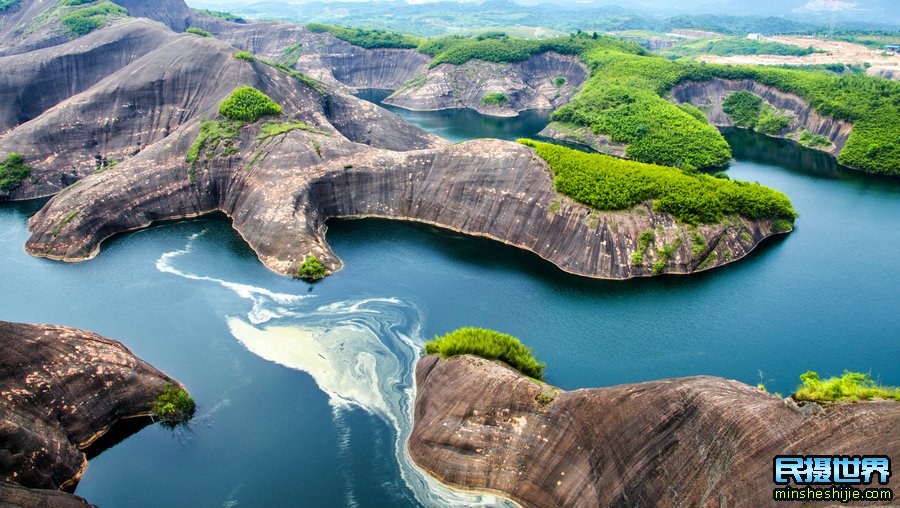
pixel 61 389
pixel 709 95
pixel 699 441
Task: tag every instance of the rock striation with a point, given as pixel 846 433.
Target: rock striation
pixel 61 389
pixel 709 96
pixel 531 84
pixel 699 441
pixel 350 159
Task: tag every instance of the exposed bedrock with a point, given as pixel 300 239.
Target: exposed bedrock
pixel 699 441
pixel 34 82
pixel 61 389
pixel 16 496
pixel 281 191
pixel 531 84
pixel 709 95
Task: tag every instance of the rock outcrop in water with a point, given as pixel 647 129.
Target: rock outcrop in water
pixel 351 159
pixel 698 441
pixel 709 96
pixel 62 389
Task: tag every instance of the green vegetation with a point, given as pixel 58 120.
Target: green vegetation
pixel 665 254
pixel 743 107
pixel 489 345
pixel 173 406
pixel 8 4
pixel 73 3
pixel 495 99
pixel 67 219
pixel 555 205
pixel 247 104
pixel 311 270
pixel 644 241
pixel 813 140
pixel 608 183
pixel 84 20
pixel 227 16
pixel 212 134
pixel 291 54
pixel 698 243
pixel 733 46
pixel 782 225
pixel 459 50
pixel 198 31
pixel 273 128
pixel 852 386
pixel 623 99
pixel 559 81
pixel 366 38
pixel 13 171
pixel 693 111
pixel 749 111
pixel 299 76
pixel 243 55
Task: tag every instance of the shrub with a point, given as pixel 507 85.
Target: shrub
pixel 559 81
pixel 227 16
pixel 813 140
pixel 247 104
pixel 495 99
pixel 311 270
pixel 299 76
pixel 608 183
pixel 8 4
pixel 693 111
pixel 198 31
pixel 273 128
pixel 243 55
pixel 363 38
pixel 87 19
pixel 743 107
pixel 852 386
pixel 490 345
pixel 173 406
pixel 13 171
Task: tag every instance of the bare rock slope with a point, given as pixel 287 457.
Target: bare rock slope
pixel 61 389
pixel 698 441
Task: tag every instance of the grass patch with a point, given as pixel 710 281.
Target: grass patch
pixel 368 39
pixel 173 406
pixel 608 183
pixel 311 270
pixel 13 171
pixel 67 219
pixel 698 243
pixel 734 46
pixel 851 386
pixel 299 76
pixel 247 104
pixel 274 128
pixel 243 55
pixel 559 81
pixel 227 16
pixel 85 20
pixel 291 54
pixel 644 241
pixel 198 31
pixel 495 99
pixel 490 345
pixel 212 134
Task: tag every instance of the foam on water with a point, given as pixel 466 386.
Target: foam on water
pixel 361 354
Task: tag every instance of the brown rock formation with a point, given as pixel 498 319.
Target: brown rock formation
pixel 699 441
pixel 528 85
pixel 61 389
pixel 709 95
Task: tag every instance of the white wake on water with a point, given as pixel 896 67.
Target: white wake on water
pixel 361 354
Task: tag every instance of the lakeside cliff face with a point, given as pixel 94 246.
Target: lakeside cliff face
pixel 699 441
pixel 352 159
pixel 62 389
pixel 708 96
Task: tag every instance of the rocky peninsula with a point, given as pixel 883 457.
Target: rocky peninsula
pixel 62 390
pixel 698 441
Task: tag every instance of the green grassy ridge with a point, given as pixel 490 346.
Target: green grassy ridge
pixel 227 16
pixel 490 345
pixel 247 104
pixel 734 46
pixel 83 20
pixel 495 99
pixel 198 31
pixel 13 171
pixel 851 387
pixel 364 38
pixel 608 183
pixel 623 99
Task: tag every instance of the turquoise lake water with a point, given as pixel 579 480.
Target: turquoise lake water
pixel 277 427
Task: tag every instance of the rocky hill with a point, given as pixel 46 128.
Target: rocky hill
pixel 62 389
pixel 699 441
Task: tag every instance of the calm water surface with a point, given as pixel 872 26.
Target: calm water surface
pixel 278 427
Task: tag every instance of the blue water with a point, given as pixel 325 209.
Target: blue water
pixel 822 298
